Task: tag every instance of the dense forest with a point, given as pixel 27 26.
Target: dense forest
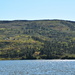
pixel 37 39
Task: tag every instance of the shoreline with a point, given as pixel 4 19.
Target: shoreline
pixel 42 60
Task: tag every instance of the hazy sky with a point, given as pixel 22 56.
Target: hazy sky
pixel 37 9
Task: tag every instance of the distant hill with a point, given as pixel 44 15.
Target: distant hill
pixel 37 39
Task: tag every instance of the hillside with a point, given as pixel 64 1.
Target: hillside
pixel 37 39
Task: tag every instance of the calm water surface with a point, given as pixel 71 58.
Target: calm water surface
pixel 37 67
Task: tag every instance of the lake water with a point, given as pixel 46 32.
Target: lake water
pixel 37 67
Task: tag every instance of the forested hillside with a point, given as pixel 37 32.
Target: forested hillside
pixel 38 39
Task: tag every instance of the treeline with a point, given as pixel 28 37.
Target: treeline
pixel 34 49
pixel 47 39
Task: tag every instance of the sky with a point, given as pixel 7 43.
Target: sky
pixel 37 9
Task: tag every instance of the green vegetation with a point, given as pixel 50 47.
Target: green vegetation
pixel 38 39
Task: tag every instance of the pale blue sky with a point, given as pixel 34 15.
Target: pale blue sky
pixel 37 9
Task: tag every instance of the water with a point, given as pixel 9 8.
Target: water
pixel 37 67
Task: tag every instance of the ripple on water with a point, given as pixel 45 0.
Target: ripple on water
pixel 37 67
